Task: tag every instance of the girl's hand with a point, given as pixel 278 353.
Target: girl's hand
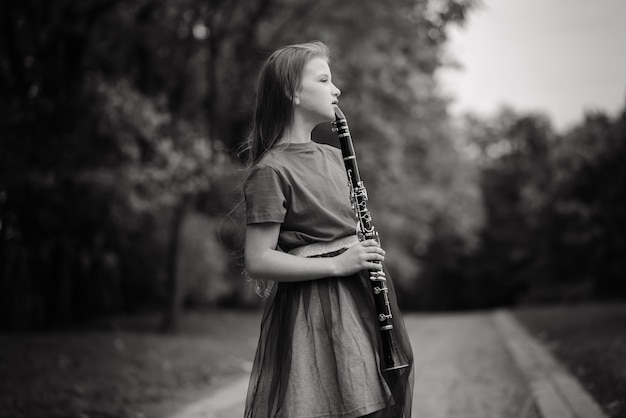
pixel 359 257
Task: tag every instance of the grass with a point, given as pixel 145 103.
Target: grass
pixel 124 369
pixel 590 340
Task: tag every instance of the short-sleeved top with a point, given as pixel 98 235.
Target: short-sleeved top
pixel 303 187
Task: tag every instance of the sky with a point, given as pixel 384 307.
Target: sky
pixel 560 57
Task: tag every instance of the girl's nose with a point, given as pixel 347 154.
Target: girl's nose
pixel 336 92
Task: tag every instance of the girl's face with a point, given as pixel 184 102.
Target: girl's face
pixel 317 95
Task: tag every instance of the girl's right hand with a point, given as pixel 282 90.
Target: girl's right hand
pixel 360 256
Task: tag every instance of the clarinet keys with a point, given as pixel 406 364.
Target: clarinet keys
pixel 377 290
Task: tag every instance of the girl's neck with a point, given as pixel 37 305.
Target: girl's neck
pixel 299 132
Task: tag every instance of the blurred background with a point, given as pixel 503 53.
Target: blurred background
pixel 491 137
pixel 120 122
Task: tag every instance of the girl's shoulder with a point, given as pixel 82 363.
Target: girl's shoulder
pixel 270 164
pixel 271 159
pixel 285 158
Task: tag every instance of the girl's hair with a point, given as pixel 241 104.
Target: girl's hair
pixel 278 82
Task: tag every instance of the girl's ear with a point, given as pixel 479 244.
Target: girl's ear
pixel 292 97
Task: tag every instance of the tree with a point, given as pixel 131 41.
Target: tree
pixel 120 116
pixel 589 202
pixel 554 210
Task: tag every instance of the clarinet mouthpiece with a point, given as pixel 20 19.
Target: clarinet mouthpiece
pixel 338 113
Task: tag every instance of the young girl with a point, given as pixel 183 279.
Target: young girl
pixel 319 350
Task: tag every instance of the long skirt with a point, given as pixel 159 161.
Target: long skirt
pixel 320 353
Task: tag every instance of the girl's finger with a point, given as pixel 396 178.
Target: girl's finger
pixel 375 257
pixel 370 243
pixel 376 250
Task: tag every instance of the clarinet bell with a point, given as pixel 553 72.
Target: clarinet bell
pixel 393 357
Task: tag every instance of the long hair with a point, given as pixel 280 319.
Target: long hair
pixel 278 82
pixel 279 79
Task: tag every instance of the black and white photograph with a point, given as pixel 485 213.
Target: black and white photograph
pixel 312 209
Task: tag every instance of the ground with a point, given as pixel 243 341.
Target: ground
pixel 590 340
pixel 125 369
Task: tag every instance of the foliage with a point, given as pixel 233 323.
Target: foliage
pixel 116 179
pixel 590 204
pixel 119 118
pixel 554 210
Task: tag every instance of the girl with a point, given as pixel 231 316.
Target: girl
pixel 319 348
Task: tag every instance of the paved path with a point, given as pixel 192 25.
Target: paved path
pixel 467 366
pixel 463 370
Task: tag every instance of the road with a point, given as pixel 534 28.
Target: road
pixel 466 366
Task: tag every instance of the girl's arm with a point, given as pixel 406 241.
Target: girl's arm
pixel 263 262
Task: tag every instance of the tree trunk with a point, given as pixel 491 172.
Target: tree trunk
pixel 61 291
pixel 174 283
pixel 3 277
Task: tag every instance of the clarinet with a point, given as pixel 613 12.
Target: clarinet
pixel 392 356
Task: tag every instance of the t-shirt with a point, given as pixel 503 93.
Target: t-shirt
pixel 304 187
